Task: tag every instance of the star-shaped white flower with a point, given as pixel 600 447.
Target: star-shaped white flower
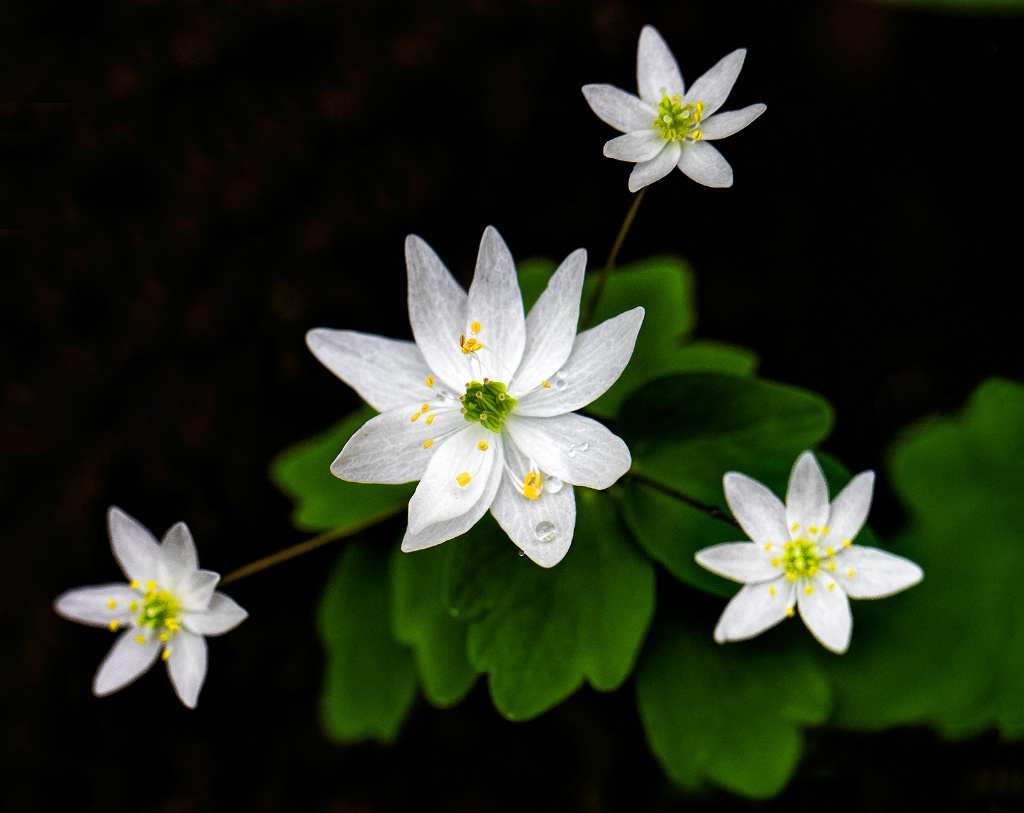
pixel 166 608
pixel 667 127
pixel 479 408
pixel 801 555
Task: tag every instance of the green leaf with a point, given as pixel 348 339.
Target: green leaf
pixel 322 501
pixel 423 621
pixel 730 715
pixel 664 287
pixel 950 651
pixel 539 633
pixel 370 682
pixel 685 432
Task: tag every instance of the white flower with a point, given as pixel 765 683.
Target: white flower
pixel 164 611
pixel 668 127
pixel 479 408
pixel 802 555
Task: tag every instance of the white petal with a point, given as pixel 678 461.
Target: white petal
pixel 496 303
pixel 439 497
pixel 850 509
pixel 443 531
pixel 437 312
pixel 647 172
pixel 876 573
pixel 388 448
pixel 551 325
pixel 761 514
pixel 739 561
pixel 194 591
pixel 598 357
pixel 221 615
pixel 623 111
pixel 704 164
pixel 753 610
pixel 807 497
pixel 90 605
pixel 542 528
pixel 714 86
pixel 640 145
pixel 135 548
pixel 575 449
pixel 126 660
pixel 657 72
pixel 826 613
pixel 385 372
pixel 186 666
pixel 725 124
pixel 178 550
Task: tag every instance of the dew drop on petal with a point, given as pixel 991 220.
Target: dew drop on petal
pixel 572 450
pixel 522 553
pixel 545 531
pixel 584 446
pixel 559 375
pixel 560 384
pixel 552 484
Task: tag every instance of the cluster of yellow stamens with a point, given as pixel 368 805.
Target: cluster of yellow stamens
pixel 801 559
pixel 159 613
pixel 678 121
pixel 470 345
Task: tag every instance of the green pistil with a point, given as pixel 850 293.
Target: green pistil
pixel 678 122
pixel 487 403
pixel 800 559
pixel 159 611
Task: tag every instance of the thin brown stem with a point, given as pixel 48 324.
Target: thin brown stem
pixel 588 314
pixel 711 510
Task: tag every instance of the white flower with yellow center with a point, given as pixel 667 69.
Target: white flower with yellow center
pixel 164 611
pixel 666 126
pixel 801 555
pixel 479 408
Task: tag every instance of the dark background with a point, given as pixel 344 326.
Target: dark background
pixel 185 189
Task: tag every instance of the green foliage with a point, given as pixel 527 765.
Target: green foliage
pixel 685 432
pixel 965 7
pixel 322 501
pixel 538 633
pixel 370 682
pixel 950 652
pixel 727 715
pixel 423 621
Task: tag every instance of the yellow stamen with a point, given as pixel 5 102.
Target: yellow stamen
pixel 767 545
pixel 830 551
pixel 133 606
pixel 789 612
pixel 111 604
pixel 775 562
pixel 532 485
pixel 824 530
pixel 469 345
pixel 847 543
pixel 849 573
pixel 771 590
pixel 430 381
pixel 831 565
pixel 424 408
pixel 812 529
pixel 795 526
pixel 832 586
pixel 482 446
pixel 475 327
pixel 428 444
pixel 463 479
pixel 791 576
pixel 114 625
pixel 150 585
pixel 430 418
pixel 545 385
pixel 140 639
pixel 415 416
pixel 808 590
pixel 165 637
pixel 134 585
pixel 165 654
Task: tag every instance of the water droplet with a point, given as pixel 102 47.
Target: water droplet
pixel 572 450
pixel 560 375
pixel 522 553
pixel 552 484
pixel 545 531
pixel 584 446
pixel 560 384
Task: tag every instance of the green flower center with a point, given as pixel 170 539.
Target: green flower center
pixel 159 612
pixel 487 403
pixel 800 559
pixel 677 121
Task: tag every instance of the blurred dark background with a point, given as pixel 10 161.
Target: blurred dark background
pixel 186 188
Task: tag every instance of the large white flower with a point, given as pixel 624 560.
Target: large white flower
pixel 667 127
pixel 478 409
pixel 166 608
pixel 801 555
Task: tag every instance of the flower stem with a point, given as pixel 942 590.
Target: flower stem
pixel 588 314
pixel 711 510
pixel 317 541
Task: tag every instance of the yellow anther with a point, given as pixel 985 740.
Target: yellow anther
pixel 532 485
pixel 790 612
pixel 113 625
pixel 172 625
pixel 830 551
pixel 824 530
pixel 831 565
pixel 463 479
pixel 832 586
pixel 415 416
pixel 475 327
pixel 165 637
pixel 469 345
pixel 696 135
pixel 791 576
pixel 430 381
pixel 849 573
pixel 165 654
pixel 430 418
pixel 111 604
pixel 771 590
pixel 133 606
pixel 150 585
pixel 775 561
pixel 428 444
pixel 796 525
pixel 809 589
pixel 545 385
pixel 424 408
pixel 134 585
pixel 140 639
pixel 812 529
pixel 482 446
pixel 767 545
pixel 847 543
